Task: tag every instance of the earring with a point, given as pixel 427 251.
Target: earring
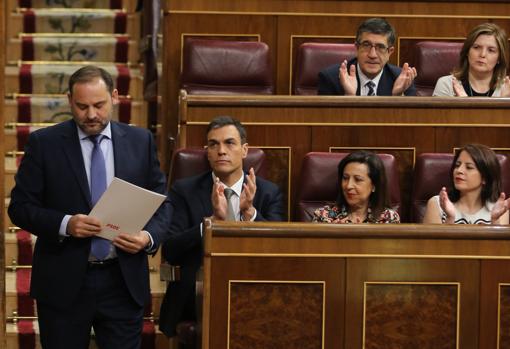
pixel 373 190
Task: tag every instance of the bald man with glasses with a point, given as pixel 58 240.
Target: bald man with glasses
pixel 369 74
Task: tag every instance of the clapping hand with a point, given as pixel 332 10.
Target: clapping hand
pixel 447 206
pixel 458 89
pixel 505 87
pixel 247 196
pixel 404 80
pixel 348 79
pixel 500 207
pixel 219 201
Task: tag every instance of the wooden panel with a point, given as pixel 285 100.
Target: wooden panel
pixel 433 308
pixel 255 322
pixel 448 138
pixel 495 278
pixel 456 7
pixel 409 272
pixel 279 163
pixel 286 278
pixel 504 316
pixel 386 286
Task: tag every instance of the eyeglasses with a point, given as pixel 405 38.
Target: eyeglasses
pixel 367 46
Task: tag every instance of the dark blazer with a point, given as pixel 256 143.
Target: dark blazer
pixel 329 84
pixel 191 201
pixel 51 182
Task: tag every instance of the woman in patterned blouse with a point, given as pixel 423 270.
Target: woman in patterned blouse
pixel 363 191
pixel 476 196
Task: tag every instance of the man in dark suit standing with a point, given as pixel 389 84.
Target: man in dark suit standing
pixel 369 74
pixel 205 195
pixel 79 280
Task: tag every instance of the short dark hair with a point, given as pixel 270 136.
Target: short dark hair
pixel 378 200
pixel 89 73
pixel 486 161
pixel 377 26
pixel 222 121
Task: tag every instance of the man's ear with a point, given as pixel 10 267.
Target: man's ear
pixel 115 96
pixel 391 50
pixel 69 97
pixel 245 150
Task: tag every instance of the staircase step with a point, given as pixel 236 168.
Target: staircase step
pixel 55 108
pixel 54 20
pixel 128 5
pixel 10 169
pixel 7 220
pixel 94 47
pixel 13 339
pixel 11 249
pixel 15 139
pixel 51 78
pixel 9 181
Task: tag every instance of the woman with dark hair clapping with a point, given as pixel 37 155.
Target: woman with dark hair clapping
pixel 363 196
pixel 475 196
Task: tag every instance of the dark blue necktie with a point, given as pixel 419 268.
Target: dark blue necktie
pixel 100 247
pixel 371 91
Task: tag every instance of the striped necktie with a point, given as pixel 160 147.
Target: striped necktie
pixel 370 85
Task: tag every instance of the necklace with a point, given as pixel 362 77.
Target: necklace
pixel 471 93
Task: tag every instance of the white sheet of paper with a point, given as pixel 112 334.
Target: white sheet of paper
pixel 125 207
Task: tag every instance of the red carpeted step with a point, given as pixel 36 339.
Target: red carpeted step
pixel 51 79
pixel 91 48
pixel 72 21
pixel 26 334
pixel 128 5
pixel 112 4
pixel 54 20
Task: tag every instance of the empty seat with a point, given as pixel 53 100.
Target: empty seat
pixel 319 184
pixel 189 162
pixel 312 57
pixel 226 67
pixel 433 60
pixel 432 172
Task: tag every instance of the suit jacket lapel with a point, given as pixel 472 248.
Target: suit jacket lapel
pixel 72 149
pixel 385 87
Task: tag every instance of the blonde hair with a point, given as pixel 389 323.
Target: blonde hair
pixel 461 72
